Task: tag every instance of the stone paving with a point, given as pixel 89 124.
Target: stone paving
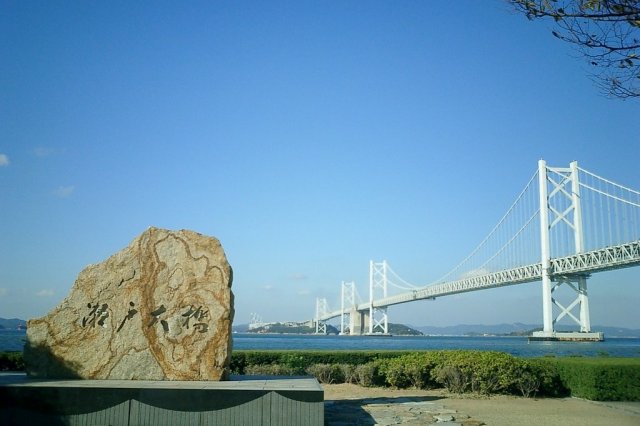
pixel 396 411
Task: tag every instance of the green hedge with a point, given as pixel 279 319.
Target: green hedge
pixel 298 361
pixel 600 379
pixel 11 361
pixel 484 372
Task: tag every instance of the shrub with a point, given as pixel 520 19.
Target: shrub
pixel 11 361
pixel 528 384
pixel 394 373
pixel 295 362
pixel 349 373
pixel 549 379
pixel 269 370
pixel 453 378
pixel 496 372
pixel 326 373
pixel 410 370
pixel 477 371
pixel 369 374
pixel 419 370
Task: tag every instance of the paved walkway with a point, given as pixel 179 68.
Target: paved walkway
pixel 347 404
pixel 393 411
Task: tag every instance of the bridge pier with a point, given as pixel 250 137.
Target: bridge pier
pixel 359 322
pixel 321 327
pixel 577 283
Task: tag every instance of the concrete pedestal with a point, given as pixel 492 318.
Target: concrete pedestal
pixel 244 400
pixel 566 336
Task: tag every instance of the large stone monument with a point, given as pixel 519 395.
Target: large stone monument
pixel 160 309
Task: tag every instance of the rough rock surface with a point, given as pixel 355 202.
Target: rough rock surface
pixel 160 309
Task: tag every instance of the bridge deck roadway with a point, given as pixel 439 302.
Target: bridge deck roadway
pixel 604 259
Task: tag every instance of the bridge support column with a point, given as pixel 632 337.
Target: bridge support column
pixel 566 212
pixel 321 312
pixel 347 307
pixel 378 319
pixel 585 321
pixel 379 322
pixel 577 283
pixel 359 322
pixel 547 304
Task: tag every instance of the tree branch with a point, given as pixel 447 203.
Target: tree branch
pixel 607 33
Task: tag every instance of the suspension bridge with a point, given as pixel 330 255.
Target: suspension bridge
pixel 566 224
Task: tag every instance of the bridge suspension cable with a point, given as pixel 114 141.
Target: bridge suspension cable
pixel 405 284
pixel 611 215
pixel 509 243
pixel 612 211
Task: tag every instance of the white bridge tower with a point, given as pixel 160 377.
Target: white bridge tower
pixel 348 307
pixel 321 311
pixel 560 206
pixel 377 284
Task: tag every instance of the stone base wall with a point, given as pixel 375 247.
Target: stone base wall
pixel 294 401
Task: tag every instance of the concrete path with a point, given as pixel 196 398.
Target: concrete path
pixel 393 411
pixel 347 404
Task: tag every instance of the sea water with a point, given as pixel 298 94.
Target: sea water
pixel 13 340
pixel 518 346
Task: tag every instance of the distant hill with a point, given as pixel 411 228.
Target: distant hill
pixel 517 329
pixel 301 328
pixel 403 330
pixel 240 328
pixel 13 324
pixel 615 331
pixel 284 328
pixel 466 329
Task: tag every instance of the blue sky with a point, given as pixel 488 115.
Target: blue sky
pixel 309 137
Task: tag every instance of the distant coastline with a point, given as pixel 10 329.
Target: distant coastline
pixel 306 328
pixel 13 324
pixel 462 330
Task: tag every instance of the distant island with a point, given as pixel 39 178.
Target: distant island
pixel 12 324
pixel 307 328
pixel 518 329
pixel 469 330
